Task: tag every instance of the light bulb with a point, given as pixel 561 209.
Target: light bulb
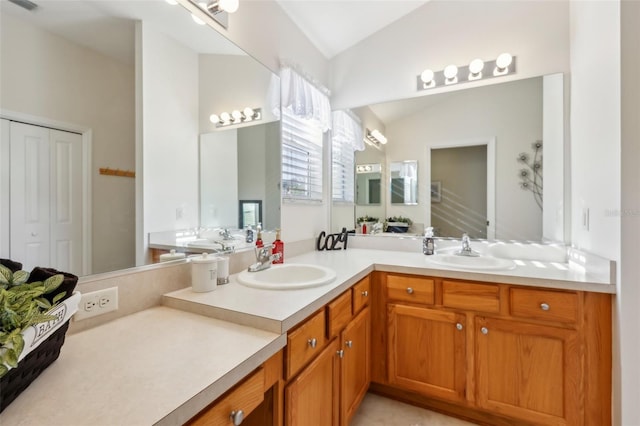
pixel 237 115
pixel 225 117
pixel 427 76
pixel 248 113
pixel 475 67
pixel 450 71
pixel 503 61
pixel 172 2
pixel 229 6
pixel 379 136
pixel 197 20
pixel 214 118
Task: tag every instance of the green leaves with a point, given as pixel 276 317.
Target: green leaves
pixel 21 306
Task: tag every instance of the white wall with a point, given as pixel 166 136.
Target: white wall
pixel 511 112
pixel 385 65
pixel 219 183
pixel 628 319
pixel 49 77
pixel 169 139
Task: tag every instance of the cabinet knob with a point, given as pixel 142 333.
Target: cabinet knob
pixel 459 326
pixel 340 353
pixel 365 293
pixel 544 306
pixel 313 343
pixel 484 330
pixel 237 417
pixel 409 290
pixel 349 343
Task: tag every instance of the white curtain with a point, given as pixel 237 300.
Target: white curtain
pixel 303 99
pixel 347 130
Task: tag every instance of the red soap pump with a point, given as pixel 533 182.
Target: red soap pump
pixel 278 247
pixel 259 242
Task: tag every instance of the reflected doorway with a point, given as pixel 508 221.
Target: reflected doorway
pixel 460 187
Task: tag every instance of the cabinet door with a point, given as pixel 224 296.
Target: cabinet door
pixel 355 372
pixel 311 399
pixel 427 351
pixel 529 371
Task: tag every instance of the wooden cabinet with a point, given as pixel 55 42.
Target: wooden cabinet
pixel 312 397
pixel 427 351
pixel 528 371
pixel 493 353
pixel 355 371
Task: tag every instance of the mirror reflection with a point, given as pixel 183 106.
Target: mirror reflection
pixel 403 182
pixel 72 67
pixel 368 184
pixel 481 194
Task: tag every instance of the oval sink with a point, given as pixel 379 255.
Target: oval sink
pixel 288 277
pixel 485 263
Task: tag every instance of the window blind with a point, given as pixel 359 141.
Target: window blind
pixel 301 158
pixel 343 164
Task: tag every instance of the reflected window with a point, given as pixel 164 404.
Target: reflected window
pixel 250 213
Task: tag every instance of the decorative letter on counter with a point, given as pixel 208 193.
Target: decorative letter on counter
pixel 332 241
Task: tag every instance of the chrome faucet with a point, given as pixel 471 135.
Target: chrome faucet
pixel 226 234
pixel 263 258
pixel 466 247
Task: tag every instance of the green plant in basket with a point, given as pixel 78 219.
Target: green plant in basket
pixel 367 218
pixel 400 219
pixel 21 306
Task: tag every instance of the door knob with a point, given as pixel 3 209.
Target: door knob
pixel 349 343
pixel 459 326
pixel 484 330
pixel 409 290
pixel 365 293
pixel 313 343
pixel 544 306
pixel 237 417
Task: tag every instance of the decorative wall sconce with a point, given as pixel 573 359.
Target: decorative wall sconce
pixel 219 10
pixel 375 138
pixel 505 64
pixel 236 117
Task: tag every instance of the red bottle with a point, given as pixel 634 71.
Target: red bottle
pixel 259 242
pixel 278 247
pixel 364 228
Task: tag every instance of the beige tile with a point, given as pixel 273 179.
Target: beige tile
pixel 379 411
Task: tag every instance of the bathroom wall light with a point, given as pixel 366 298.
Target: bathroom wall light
pixel 375 138
pixel 368 168
pixel 236 117
pixel 219 10
pixel 505 64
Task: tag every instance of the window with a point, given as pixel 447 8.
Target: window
pixel 301 158
pixel 343 163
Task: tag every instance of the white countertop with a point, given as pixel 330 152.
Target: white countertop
pixel 279 310
pixel 158 366
pixel 164 365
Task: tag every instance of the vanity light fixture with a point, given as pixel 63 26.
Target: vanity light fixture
pixel 375 138
pixel 219 10
pixel 368 168
pixel 236 117
pixel 477 69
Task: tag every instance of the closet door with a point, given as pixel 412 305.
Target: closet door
pixel 46 197
pixel 30 195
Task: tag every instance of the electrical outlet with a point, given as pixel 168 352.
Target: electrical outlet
pixel 97 303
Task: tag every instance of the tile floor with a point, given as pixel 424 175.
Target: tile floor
pixel 378 411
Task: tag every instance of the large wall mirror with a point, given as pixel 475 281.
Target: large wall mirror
pixel 502 127
pixel 71 65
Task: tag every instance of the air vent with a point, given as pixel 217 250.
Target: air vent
pixel 26 4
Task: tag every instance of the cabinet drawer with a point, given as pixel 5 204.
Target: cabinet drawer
pixel 410 289
pixel 338 313
pixel 361 294
pixel 305 343
pixel 246 397
pixel 544 305
pixel 470 296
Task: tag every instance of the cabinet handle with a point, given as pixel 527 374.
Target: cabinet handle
pixel 237 417
pixel 459 326
pixel 484 330
pixel 544 306
pixel 340 353
pixel 409 290
pixel 313 343
pixel 365 293
pixel 349 343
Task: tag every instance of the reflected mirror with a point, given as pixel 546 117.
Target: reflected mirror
pixel 368 184
pixel 71 66
pixel 403 182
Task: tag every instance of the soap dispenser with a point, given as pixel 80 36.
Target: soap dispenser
pixel 428 246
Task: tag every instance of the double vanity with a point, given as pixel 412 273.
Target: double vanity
pixel 529 344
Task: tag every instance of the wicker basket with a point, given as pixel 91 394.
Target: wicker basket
pixel 30 367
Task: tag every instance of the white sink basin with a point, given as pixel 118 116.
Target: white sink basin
pixel 288 277
pixel 485 263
